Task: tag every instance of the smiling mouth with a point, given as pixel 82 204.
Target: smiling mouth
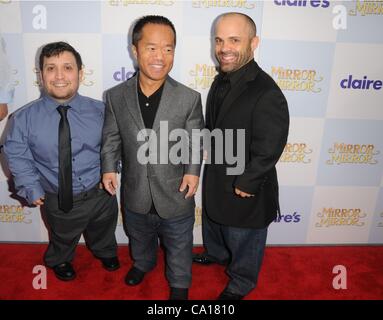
pixel 157 66
pixel 228 58
pixel 60 85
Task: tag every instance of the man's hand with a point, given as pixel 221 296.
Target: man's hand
pixel 191 182
pixel 243 194
pixel 3 110
pixel 39 202
pixel 109 180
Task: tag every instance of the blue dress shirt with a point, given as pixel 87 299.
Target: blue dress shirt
pixel 31 146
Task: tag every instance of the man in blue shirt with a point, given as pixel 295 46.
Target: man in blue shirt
pixel 53 152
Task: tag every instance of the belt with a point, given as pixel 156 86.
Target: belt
pixel 82 195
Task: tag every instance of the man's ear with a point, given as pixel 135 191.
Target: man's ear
pixel 41 79
pixel 81 74
pixel 134 50
pixel 254 43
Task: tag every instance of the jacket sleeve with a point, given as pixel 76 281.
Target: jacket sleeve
pixel 195 121
pixel 20 160
pixel 111 140
pixel 270 125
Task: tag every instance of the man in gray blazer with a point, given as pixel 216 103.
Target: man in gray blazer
pixel 158 189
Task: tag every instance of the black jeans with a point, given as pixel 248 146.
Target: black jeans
pixel 94 213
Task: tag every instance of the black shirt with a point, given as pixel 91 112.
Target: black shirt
pixel 226 81
pixel 149 107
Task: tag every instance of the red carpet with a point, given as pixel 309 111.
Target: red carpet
pixel 297 273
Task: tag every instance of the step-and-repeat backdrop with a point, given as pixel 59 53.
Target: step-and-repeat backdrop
pixel 325 55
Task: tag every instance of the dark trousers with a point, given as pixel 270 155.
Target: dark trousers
pixel 94 214
pixel 176 235
pixel 242 248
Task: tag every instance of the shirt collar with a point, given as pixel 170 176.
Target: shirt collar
pixel 158 92
pixel 235 76
pixel 51 104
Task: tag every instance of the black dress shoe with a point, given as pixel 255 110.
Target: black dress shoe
pixel 134 277
pixel 64 271
pixel 203 258
pixel 227 295
pixel 110 264
pixel 179 294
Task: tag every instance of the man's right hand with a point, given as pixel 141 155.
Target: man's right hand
pixel 39 202
pixel 109 180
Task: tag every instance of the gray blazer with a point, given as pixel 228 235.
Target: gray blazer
pixel 181 107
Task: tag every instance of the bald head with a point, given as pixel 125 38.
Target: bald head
pixel 235 40
pixel 250 24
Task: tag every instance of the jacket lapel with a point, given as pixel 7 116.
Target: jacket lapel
pixel 209 105
pixel 236 92
pixel 167 105
pixel 131 98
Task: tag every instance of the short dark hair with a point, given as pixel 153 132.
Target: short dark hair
pixel 55 49
pixel 140 23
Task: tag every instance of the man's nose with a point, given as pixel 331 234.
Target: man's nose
pixel 59 73
pixel 225 46
pixel 159 55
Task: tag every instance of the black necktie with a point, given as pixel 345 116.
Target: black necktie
pixel 65 162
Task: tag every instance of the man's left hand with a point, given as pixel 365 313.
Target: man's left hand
pixel 243 194
pixel 191 182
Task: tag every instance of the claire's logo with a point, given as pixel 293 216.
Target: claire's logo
pixel 362 84
pixel 123 74
pixel 303 3
pixel 289 218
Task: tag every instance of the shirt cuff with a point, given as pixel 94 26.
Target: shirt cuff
pixel 32 194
